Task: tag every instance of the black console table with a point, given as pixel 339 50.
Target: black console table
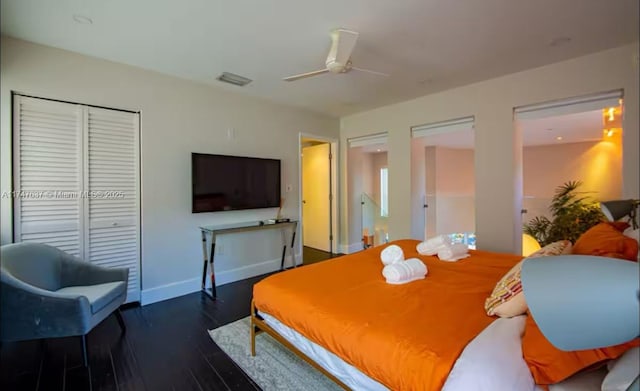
pixel 215 230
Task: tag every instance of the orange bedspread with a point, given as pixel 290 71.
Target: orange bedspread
pixel 406 337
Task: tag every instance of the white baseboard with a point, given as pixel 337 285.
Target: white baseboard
pixel 255 269
pixel 169 291
pixel 180 288
pixel 351 248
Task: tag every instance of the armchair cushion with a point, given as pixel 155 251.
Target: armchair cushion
pixel 98 295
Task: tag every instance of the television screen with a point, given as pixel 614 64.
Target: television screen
pixel 222 182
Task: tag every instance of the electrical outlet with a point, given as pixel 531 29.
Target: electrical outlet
pixel 220 249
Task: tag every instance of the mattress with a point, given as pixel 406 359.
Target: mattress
pixel 402 336
pixel 492 361
pixel 348 374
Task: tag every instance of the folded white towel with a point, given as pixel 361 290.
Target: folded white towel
pixel 403 272
pixel 433 245
pixel 392 254
pixel 453 252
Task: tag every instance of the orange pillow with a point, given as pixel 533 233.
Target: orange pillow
pixel 507 299
pixel 550 365
pixel 607 240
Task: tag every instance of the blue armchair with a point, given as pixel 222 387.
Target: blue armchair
pixel 47 293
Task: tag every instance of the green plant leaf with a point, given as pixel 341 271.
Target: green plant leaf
pixel 573 213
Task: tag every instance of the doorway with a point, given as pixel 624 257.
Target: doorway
pixel 443 180
pixel 368 193
pixel 318 186
pixel 573 141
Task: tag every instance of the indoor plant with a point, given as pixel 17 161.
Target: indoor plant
pixel 573 213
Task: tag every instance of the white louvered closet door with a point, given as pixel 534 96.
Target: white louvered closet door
pixel 76 177
pixel 47 173
pixel 111 214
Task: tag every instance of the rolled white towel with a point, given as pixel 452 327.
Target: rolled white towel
pixel 392 254
pixel 433 245
pixel 404 272
pixel 453 252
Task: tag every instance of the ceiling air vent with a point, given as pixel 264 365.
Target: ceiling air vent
pixel 234 79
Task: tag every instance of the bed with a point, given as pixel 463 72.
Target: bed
pixel 343 318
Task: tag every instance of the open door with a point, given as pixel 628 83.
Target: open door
pixel 316 197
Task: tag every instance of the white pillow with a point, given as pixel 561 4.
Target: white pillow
pixel 622 371
pixel 493 360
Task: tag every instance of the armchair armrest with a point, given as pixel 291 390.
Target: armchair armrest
pixel 75 272
pixel 29 312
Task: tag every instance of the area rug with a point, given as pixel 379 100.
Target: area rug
pixel 274 367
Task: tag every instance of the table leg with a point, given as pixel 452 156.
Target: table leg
pixel 293 240
pixel 284 249
pixel 284 252
pixel 208 259
pixel 213 273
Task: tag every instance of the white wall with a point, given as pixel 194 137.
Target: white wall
pixel 446 177
pixel 177 117
pixel 455 188
pixel 418 188
pixel 431 227
pixel 498 152
pixel 378 161
pixel 597 164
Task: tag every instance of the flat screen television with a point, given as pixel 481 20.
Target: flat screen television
pixel 220 182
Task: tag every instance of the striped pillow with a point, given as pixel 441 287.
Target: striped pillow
pixel 507 299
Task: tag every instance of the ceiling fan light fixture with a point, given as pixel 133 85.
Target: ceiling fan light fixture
pixel 234 79
pixel 339 57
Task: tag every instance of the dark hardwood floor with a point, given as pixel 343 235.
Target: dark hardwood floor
pixel 166 347
pixel 312 255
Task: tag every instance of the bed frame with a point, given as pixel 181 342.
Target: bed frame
pixel 258 325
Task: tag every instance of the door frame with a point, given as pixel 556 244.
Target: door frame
pixel 333 217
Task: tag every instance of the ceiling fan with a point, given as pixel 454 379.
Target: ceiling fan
pixel 339 58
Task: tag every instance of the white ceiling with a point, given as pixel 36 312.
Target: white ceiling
pixel 573 128
pixel 426 45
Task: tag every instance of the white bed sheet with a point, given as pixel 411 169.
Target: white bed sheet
pixel 492 361
pixel 503 369
pixel 346 373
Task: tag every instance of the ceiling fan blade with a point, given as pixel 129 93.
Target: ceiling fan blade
pixel 370 71
pixel 303 75
pixel 342 44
